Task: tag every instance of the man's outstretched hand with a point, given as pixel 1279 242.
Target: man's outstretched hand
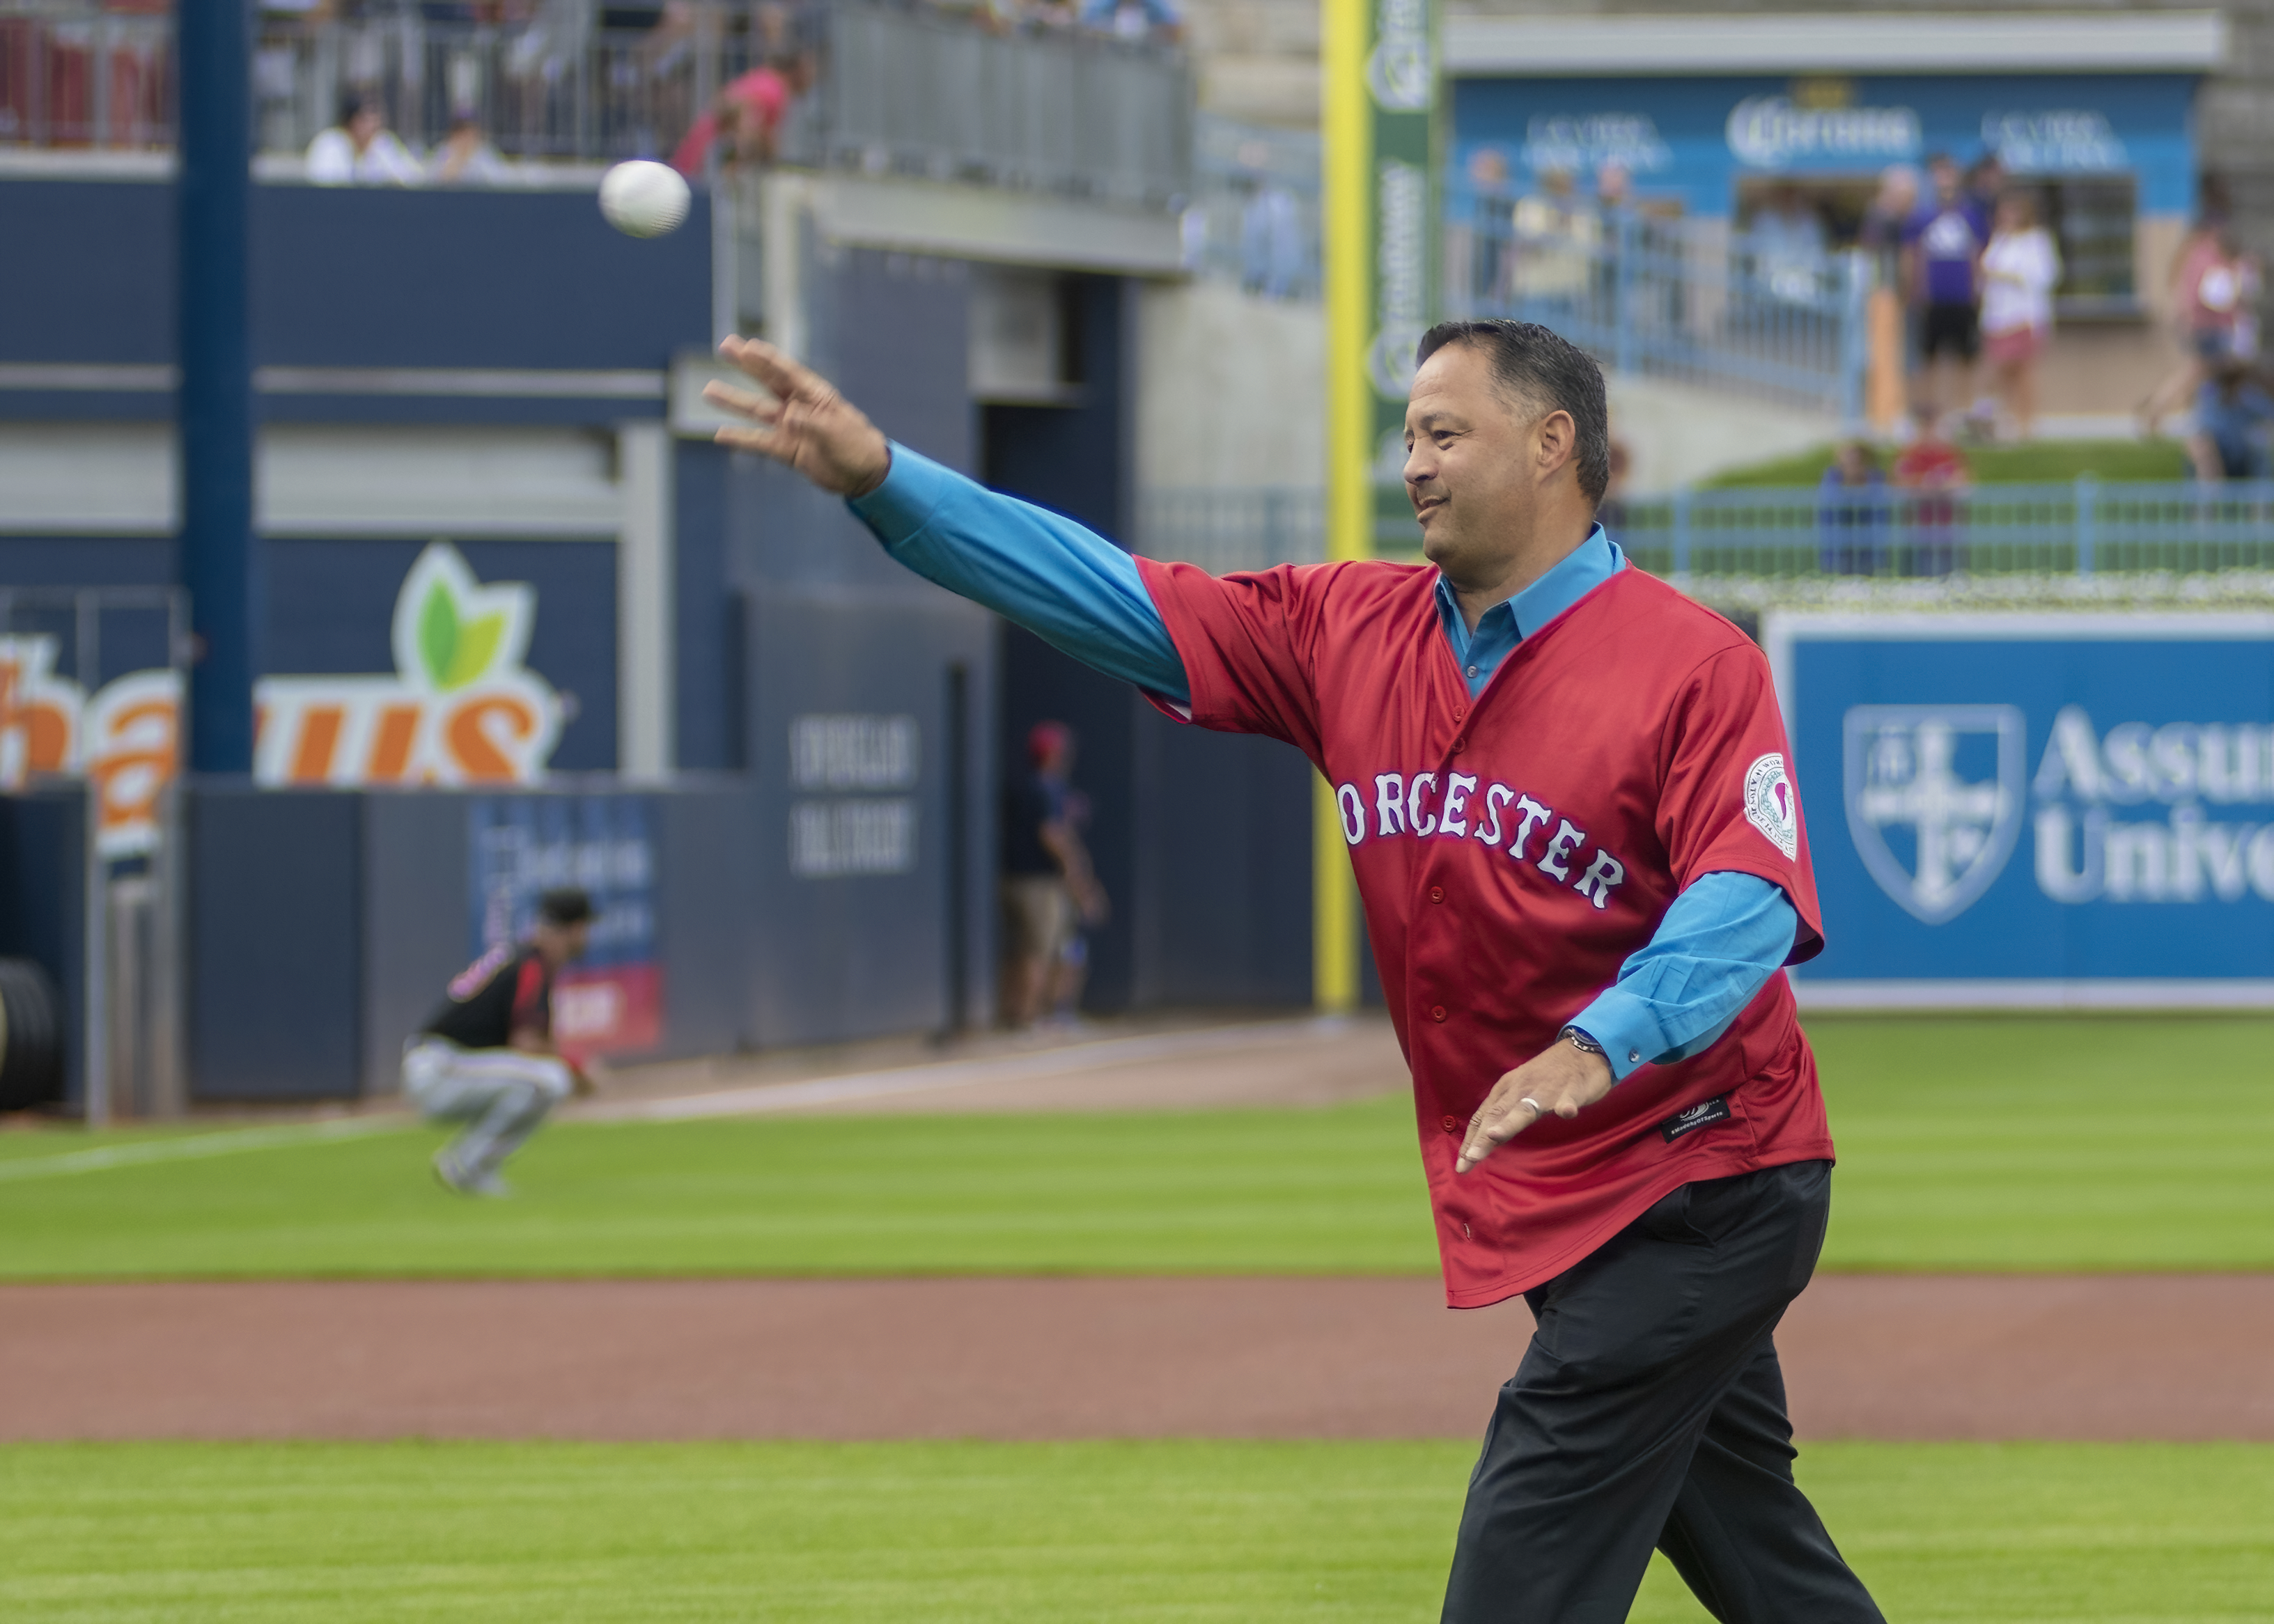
pixel 1561 1078
pixel 800 420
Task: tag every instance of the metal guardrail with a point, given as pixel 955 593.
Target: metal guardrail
pixel 2082 528
pixel 901 89
pixel 1253 220
pixel 1685 299
pixel 1223 531
pixel 909 92
pixel 80 77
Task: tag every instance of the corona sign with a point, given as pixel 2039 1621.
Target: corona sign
pixel 459 708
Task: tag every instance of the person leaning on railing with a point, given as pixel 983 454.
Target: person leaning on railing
pixel 1938 473
pixel 1852 515
pixel 361 151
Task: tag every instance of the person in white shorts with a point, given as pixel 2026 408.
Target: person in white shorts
pixel 486 1056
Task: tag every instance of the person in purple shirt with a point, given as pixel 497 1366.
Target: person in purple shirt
pixel 1942 258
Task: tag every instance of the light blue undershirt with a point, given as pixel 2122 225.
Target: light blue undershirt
pixel 1718 944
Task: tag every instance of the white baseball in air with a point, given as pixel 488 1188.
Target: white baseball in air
pixel 642 198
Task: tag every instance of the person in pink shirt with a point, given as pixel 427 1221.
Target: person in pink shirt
pixel 746 116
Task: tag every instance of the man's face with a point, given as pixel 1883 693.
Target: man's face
pixel 562 944
pixel 1946 181
pixel 365 125
pixel 1473 463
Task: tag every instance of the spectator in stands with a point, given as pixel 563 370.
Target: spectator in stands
pixel 1936 471
pixel 1046 875
pixel 1272 242
pixel 1852 513
pixel 2206 293
pixel 1556 240
pixel 1986 184
pixel 361 150
pixel 745 121
pixel 1790 249
pixel 2232 414
pixel 465 157
pixel 1134 19
pixel 1884 220
pixel 2020 270
pixel 1489 253
pixel 1942 275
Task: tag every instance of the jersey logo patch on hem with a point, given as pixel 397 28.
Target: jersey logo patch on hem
pixel 1705 1114
pixel 1770 806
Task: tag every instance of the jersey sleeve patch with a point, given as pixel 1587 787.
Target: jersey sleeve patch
pixel 1770 806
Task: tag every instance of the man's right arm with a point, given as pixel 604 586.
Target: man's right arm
pixel 1069 586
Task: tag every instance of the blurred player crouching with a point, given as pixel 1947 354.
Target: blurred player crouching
pixel 486 1056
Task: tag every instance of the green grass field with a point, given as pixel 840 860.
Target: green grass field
pixel 2059 1143
pixel 2038 462
pixel 1256 1533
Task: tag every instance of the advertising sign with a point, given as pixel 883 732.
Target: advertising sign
pixel 124 738
pixel 2036 809
pixel 459 706
pixel 1687 140
pixel 521 846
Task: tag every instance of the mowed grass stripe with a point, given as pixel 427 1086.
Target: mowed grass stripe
pixel 2057 1143
pixel 1175 1531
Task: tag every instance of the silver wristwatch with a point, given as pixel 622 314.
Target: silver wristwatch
pixel 1580 1041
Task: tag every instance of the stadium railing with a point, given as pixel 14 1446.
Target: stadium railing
pixel 902 90
pixel 1683 299
pixel 2082 528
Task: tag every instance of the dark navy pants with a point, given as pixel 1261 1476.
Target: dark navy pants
pixel 1649 1411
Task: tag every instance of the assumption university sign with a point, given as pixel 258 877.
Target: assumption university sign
pixel 2037 809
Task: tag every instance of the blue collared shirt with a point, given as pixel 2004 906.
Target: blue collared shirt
pixel 1501 628
pixel 1717 946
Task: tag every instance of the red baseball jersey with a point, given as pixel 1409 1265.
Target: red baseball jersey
pixel 1512 849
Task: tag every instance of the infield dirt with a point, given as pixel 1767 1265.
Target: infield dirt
pixel 2171 1358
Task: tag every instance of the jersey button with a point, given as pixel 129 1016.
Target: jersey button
pixel 1472 671
pixel 1437 1012
pixel 1460 711
pixel 1436 893
pixel 1460 744
pixel 1450 1125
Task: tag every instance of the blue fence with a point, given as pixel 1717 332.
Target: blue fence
pixel 1768 314
pixel 2081 528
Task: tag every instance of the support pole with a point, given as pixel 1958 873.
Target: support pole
pixel 220 562
pixel 1383 223
pixel 1347 30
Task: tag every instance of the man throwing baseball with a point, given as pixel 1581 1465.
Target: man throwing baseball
pixel 486 1056
pixel 1566 793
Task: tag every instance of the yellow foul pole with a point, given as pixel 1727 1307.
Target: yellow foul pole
pixel 1347 214
pixel 1378 61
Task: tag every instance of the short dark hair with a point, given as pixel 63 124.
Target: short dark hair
pixel 1547 369
pixel 565 906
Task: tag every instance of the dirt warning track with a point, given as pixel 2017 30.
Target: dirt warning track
pixel 2096 1356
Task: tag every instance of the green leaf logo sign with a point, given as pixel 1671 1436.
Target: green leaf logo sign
pixel 451 631
pixel 454 650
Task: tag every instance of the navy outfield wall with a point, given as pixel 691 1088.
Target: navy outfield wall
pixel 323 925
pixel 867 694
pixel 355 277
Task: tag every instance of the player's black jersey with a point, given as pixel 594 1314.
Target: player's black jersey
pixel 506 990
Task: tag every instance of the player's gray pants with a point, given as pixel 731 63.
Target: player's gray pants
pixel 502 1095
